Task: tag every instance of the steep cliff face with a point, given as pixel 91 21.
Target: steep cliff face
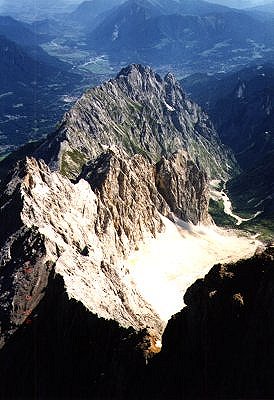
pixel 220 345
pixel 125 187
pixel 184 186
pixel 88 229
pixel 141 113
pixel 66 225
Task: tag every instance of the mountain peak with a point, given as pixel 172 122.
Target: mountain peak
pixel 137 69
pixel 142 114
pixel 138 78
pixel 170 78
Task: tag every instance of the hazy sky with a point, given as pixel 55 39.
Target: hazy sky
pixel 15 4
pixel 234 3
pixel 24 6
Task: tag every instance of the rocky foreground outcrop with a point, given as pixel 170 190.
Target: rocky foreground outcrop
pixel 63 351
pixel 219 346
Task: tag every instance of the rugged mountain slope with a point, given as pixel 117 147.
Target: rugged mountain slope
pixel 68 218
pixel 79 233
pixel 27 37
pixel 142 113
pixel 253 192
pixel 220 345
pixel 18 66
pixel 18 31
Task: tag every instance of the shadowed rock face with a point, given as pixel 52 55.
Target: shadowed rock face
pixel 65 352
pixel 184 186
pixel 221 344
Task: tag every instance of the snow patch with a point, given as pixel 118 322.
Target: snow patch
pixel 240 92
pixel 169 107
pixel 115 33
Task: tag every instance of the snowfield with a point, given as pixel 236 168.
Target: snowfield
pixel 163 268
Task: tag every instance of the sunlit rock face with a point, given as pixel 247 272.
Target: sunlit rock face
pixel 76 233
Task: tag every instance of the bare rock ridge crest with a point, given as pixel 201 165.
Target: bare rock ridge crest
pixel 129 152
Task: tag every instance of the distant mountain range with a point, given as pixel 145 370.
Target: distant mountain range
pixel 241 106
pixel 18 31
pixel 29 92
pixel 197 35
pixel 265 8
pixel 240 4
pixel 90 13
pixel 187 35
pixel 33 9
pixel 26 36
